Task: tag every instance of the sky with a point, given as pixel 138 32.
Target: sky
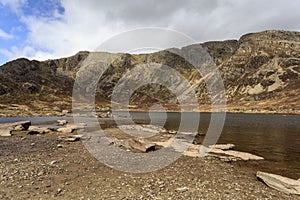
pixel 45 29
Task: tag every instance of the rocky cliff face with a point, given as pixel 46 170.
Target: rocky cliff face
pixel 261 71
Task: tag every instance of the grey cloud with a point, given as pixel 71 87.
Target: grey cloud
pixel 86 24
pixel 204 19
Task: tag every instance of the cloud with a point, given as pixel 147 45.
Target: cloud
pixel 5 35
pixel 27 51
pixel 83 25
pixel 15 5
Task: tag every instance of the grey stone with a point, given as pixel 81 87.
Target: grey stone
pixel 280 183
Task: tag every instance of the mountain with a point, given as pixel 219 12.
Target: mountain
pixel 260 72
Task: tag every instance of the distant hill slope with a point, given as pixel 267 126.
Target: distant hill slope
pixel 261 71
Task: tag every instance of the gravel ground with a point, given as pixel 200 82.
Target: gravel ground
pixel 36 167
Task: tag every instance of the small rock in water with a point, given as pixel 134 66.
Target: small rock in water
pixel 223 146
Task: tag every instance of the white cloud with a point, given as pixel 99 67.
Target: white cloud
pixel 27 51
pixel 15 5
pixel 85 24
pixel 5 35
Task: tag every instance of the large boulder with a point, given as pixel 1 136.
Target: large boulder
pixel 283 184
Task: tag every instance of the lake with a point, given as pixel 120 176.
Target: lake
pixel 273 136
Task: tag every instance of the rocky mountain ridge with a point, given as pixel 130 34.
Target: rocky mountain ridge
pixel 260 71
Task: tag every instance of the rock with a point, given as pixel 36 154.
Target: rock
pixel 53 162
pixel 62 122
pixel 34 130
pixel 137 144
pixel 237 154
pixel 7 128
pixel 59 190
pixel 172 132
pixel 70 128
pixel 104 115
pixel 164 131
pixel 182 189
pixel 223 146
pixel 65 111
pixel 69 138
pixel 30 88
pixel 146 128
pixel 16 126
pixel 19 128
pixel 59 146
pixel 192 151
pixel 5 132
pixel 283 184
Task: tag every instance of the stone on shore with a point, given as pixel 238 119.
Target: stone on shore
pixel 62 122
pixel 141 145
pixel 65 111
pixel 236 154
pixel 5 132
pixel 34 130
pixel 16 126
pixel 7 128
pixel 69 138
pixel 136 145
pixel 283 184
pixel 70 128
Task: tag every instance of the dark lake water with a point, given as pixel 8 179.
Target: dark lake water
pixel 273 136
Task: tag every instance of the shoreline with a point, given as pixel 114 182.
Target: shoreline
pixel 36 113
pixel 39 168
